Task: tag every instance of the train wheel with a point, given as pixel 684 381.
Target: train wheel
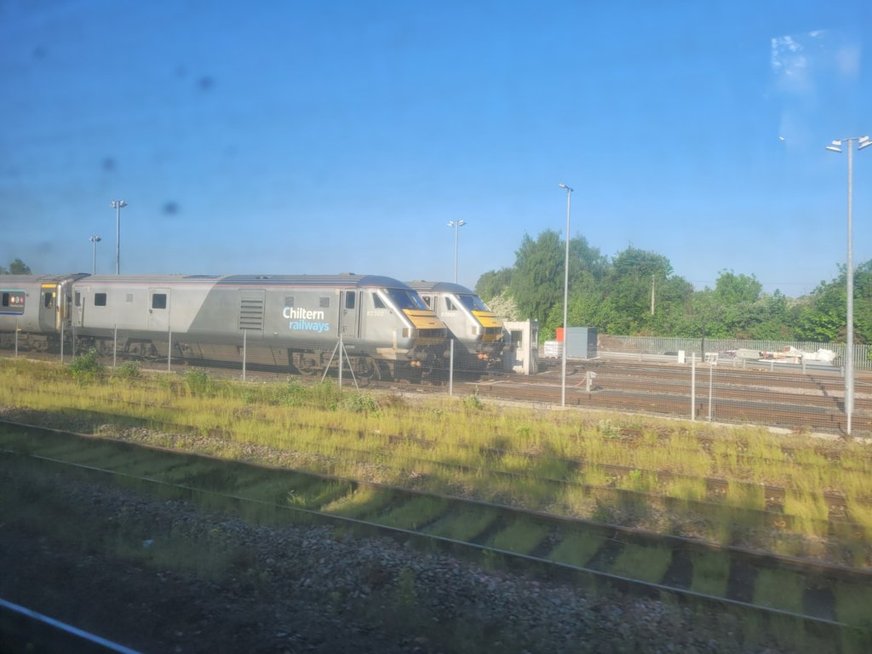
pixel 307 364
pixel 368 370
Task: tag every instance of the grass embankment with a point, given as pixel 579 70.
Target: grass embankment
pixel 727 485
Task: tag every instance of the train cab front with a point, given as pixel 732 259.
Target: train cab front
pixel 492 334
pixel 423 337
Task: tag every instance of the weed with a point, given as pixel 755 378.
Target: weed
pixel 608 429
pixel 198 383
pixel 128 371
pixel 359 403
pixel 86 368
pixel 472 403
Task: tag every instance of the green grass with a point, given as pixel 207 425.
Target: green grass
pixel 779 589
pixel 522 536
pixel 577 548
pixel 363 502
pixel 414 513
pixel 428 444
pixel 642 562
pixel 854 605
pixel 711 571
pixel 464 525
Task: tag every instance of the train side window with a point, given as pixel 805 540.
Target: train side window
pixel 324 302
pixel 289 301
pixel 159 301
pixel 13 300
pixel 78 299
pixel 377 301
pixel 427 299
pixel 99 299
pixel 349 299
pixel 47 299
pixel 449 305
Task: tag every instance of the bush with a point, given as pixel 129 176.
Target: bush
pixel 198 383
pixel 472 403
pixel 359 403
pixel 86 367
pixel 128 370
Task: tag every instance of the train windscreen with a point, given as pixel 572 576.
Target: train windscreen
pixel 473 302
pixel 406 299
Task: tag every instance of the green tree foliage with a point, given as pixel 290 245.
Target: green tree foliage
pixel 731 288
pixel 493 283
pixel 631 284
pixel 616 297
pixel 823 315
pixel 537 281
pixel 17 267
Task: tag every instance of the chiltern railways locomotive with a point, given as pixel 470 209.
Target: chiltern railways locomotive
pixel 478 331
pixel 288 320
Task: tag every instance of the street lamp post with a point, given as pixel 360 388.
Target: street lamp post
pixel 94 240
pixel 836 146
pixel 565 297
pixel 118 205
pixel 456 224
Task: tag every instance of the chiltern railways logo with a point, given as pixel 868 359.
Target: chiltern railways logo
pixel 305 320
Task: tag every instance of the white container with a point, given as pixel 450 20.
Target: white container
pixel 552 349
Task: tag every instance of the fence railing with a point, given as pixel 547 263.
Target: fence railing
pixel 699 346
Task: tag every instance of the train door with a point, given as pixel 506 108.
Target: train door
pixel 49 314
pixel 348 314
pixel 158 309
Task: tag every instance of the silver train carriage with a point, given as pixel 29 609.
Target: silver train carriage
pixel 287 320
pixel 477 330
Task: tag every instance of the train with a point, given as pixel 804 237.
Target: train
pixel 386 329
pixel 480 335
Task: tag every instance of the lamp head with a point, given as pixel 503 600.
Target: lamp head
pixel 565 187
pixel 863 142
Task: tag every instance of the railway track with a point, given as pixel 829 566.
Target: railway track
pixel 783 398
pixel 814 598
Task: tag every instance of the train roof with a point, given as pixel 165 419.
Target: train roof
pixel 345 280
pixel 6 280
pixel 440 287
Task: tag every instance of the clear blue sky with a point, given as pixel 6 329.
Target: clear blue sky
pixel 324 137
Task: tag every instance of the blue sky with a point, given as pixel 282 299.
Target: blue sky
pixel 325 137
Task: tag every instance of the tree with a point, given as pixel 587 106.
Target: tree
pixel 629 284
pixel 493 283
pixel 17 267
pixel 731 288
pixel 823 316
pixel 537 280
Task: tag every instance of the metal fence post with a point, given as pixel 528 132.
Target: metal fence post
pixel 693 386
pixel 244 351
pixel 451 368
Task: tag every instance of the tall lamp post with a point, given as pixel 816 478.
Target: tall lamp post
pixel 94 240
pixel 565 297
pixel 118 205
pixel 456 224
pixel 836 146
